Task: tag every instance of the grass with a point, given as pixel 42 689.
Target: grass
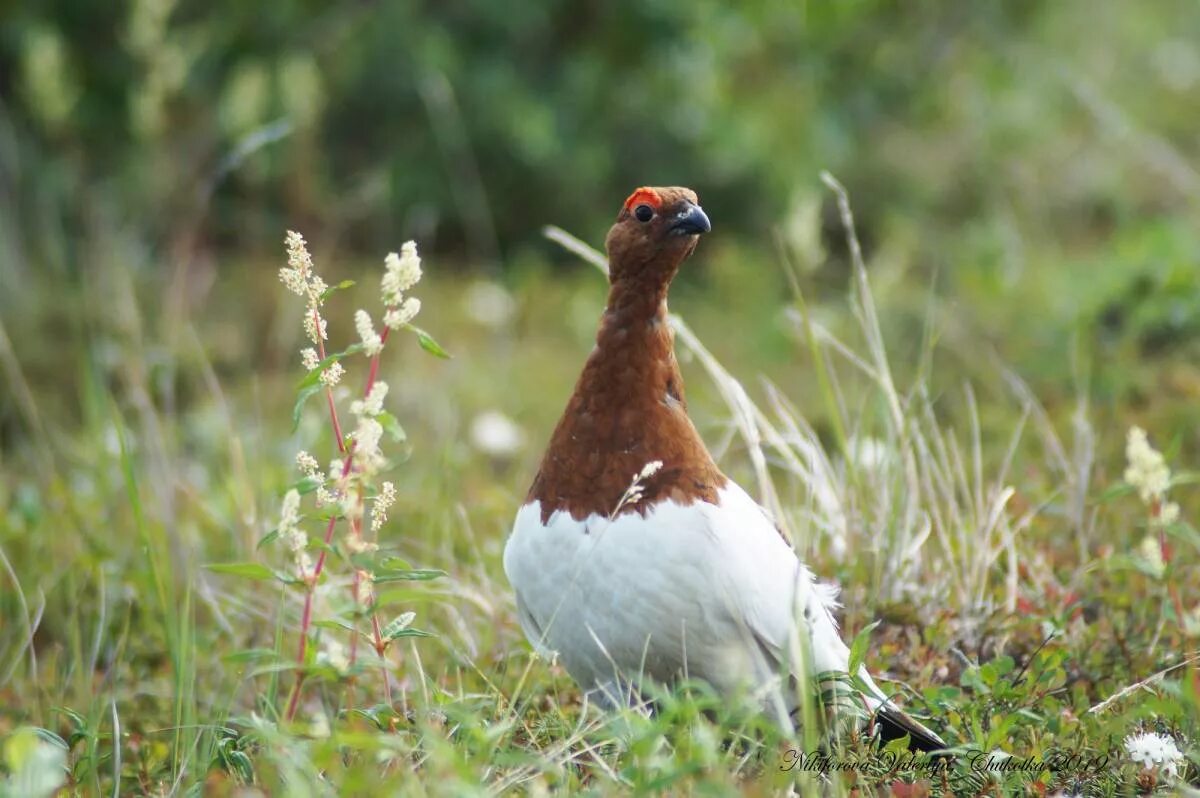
pixel 1021 607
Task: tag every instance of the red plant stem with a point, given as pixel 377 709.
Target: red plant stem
pixel 381 649
pixel 356 530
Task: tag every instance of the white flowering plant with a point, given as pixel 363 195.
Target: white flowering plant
pixel 1156 752
pixel 1148 474
pixel 350 491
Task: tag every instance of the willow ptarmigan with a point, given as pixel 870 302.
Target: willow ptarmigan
pixel 685 575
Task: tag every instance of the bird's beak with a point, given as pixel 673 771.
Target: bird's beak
pixel 691 220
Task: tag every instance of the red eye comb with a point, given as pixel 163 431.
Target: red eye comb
pixel 647 196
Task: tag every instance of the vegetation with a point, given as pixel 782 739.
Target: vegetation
pixel 930 368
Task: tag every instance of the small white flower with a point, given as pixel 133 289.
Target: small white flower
pixel 1168 513
pixel 294 539
pixel 351 507
pixel 333 654
pixel 289 512
pixel 316 287
pixel 294 281
pixel 298 273
pixel 406 312
pixel 366 444
pixel 315 327
pixel 356 545
pixel 401 272
pixel 1147 471
pixel 379 509
pixel 310 358
pixel 373 403
pixel 290 534
pixel 304 564
pixel 372 343
pixel 1154 750
pixel 298 257
pixel 1151 551
pixel 365 593
pixel 495 434
pixel 332 375
pixel 319 726
pixel 489 303
pixel 307 465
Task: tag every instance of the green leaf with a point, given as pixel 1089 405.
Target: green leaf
pixel 301 397
pixel 408 633
pixel 246 570
pixel 397 626
pixel 1116 491
pixel 414 575
pixel 252 655
pixel 392 427
pixel 282 666
pixel 267 538
pixel 305 485
pixel 241 763
pixel 427 343
pixel 858 649
pixel 1181 530
pixel 340 626
pixel 328 292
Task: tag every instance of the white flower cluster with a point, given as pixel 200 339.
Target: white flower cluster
pixel 401 272
pixel 332 374
pixel 368 458
pixel 1150 550
pixel 309 467
pixel 300 278
pixel 298 275
pixel 1155 751
pixel 379 510
pixel 373 404
pixel 364 592
pixel 1149 473
pixel 333 654
pixel 372 343
pixel 292 536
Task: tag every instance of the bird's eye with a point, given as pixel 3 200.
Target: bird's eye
pixel 643 213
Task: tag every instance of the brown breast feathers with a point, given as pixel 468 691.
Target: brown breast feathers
pixel 628 408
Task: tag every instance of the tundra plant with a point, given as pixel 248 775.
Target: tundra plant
pixel 350 494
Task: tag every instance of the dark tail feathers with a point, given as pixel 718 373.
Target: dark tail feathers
pixel 894 724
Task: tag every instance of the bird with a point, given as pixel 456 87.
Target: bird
pixel 634 559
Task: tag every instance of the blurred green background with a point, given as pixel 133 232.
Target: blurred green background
pixel 1023 174
pixel 1025 178
pixel 1033 161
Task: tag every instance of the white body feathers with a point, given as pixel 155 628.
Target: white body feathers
pixel 710 591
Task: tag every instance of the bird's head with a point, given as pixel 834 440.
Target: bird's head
pixel 656 229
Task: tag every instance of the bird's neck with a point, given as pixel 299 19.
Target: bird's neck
pixel 635 349
pixel 628 409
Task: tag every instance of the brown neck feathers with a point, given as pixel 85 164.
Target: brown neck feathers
pixel 628 409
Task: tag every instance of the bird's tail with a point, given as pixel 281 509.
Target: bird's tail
pixel 894 724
